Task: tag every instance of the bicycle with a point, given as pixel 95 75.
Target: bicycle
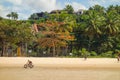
pixel 28 64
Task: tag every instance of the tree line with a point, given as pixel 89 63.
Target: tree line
pixel 95 32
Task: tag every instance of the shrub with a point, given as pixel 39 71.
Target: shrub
pixel 107 54
pixel 93 53
pixel 33 54
pixel 84 52
pixel 76 53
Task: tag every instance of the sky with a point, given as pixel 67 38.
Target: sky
pixel 25 8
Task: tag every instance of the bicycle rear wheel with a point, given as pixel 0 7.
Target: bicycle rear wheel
pixel 25 66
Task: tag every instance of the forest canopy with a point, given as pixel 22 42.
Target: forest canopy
pixel 95 31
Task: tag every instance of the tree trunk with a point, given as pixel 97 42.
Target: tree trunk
pixel 58 51
pixel 19 51
pixel 53 50
pixel 6 50
pixel 26 49
pixel 3 48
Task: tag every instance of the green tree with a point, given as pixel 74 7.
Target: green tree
pixel 88 30
pixel 112 21
pixel 34 17
pixel 69 9
pixel 110 29
pixel 9 15
pixel 13 15
pixel 93 29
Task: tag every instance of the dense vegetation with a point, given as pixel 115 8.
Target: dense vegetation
pixel 95 32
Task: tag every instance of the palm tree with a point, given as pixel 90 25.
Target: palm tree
pixel 94 23
pixel 112 21
pixel 95 20
pixel 91 21
pixel 13 15
pixel 98 8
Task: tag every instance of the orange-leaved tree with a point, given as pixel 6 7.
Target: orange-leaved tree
pixel 54 35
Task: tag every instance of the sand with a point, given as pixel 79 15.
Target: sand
pixel 60 62
pixel 11 68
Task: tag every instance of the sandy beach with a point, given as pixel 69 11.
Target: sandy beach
pixel 11 68
pixel 50 62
